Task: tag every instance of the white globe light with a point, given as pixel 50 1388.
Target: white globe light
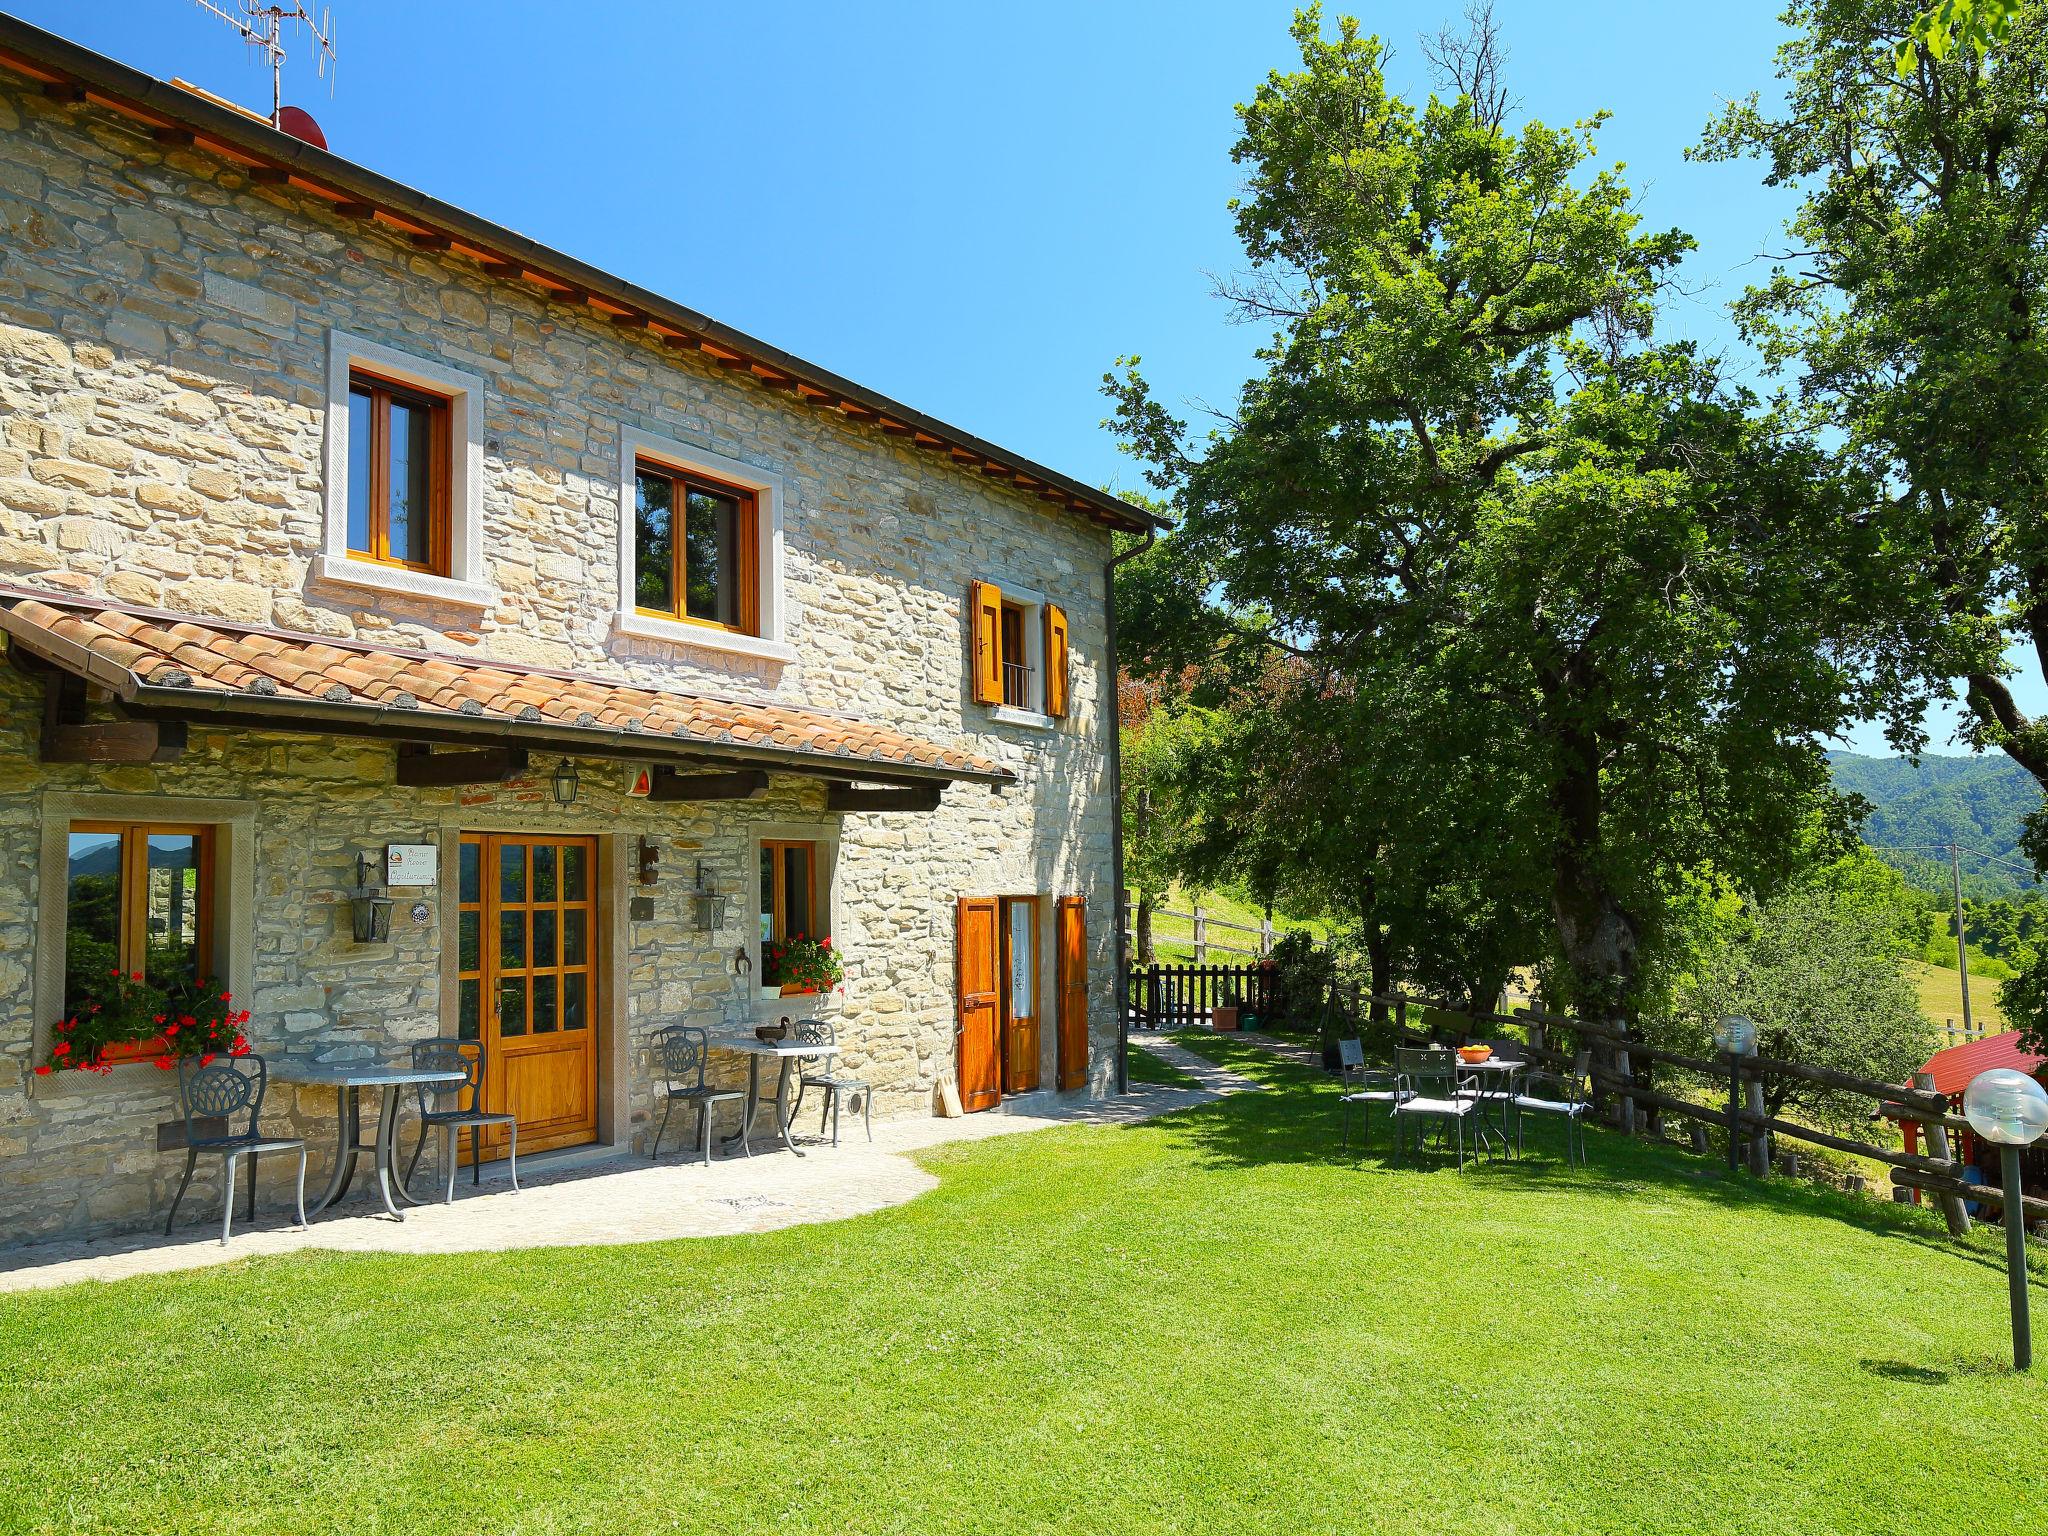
pixel 1735 1035
pixel 2006 1107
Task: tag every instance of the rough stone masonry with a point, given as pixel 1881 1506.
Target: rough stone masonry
pixel 164 336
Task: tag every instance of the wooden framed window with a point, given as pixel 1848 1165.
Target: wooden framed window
pixel 138 897
pixel 398 475
pixel 789 901
pixel 1016 661
pixel 695 549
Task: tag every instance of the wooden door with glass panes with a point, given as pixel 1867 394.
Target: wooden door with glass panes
pixel 527 984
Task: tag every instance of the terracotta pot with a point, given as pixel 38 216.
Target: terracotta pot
pixel 1223 1018
pixel 115 1052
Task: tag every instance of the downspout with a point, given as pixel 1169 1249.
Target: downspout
pixel 1116 806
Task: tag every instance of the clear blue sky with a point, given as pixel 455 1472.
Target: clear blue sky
pixel 975 209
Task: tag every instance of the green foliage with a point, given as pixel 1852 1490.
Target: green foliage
pixel 1917 808
pixel 1302 973
pixel 1818 970
pixel 1975 25
pixel 1566 612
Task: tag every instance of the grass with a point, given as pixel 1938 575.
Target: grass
pixel 1144 1067
pixel 1214 1322
pixel 1941 995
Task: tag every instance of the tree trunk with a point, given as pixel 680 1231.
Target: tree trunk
pixel 1145 955
pixel 1379 954
pixel 1598 938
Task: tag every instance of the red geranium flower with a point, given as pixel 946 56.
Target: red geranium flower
pixel 42 1071
pixel 206 1060
pixel 62 1048
pixel 164 1063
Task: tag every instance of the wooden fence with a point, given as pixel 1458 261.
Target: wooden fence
pixel 1184 996
pixel 1618 1079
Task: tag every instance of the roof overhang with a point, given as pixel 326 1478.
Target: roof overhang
pixel 172 667
pixel 177 117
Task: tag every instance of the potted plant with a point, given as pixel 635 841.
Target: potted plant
pixel 1224 1016
pixel 129 1020
pixel 802 966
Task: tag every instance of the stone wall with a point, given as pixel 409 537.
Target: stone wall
pixel 163 344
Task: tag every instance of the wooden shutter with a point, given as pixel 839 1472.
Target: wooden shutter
pixel 1055 659
pixel 979 1054
pixel 1072 942
pixel 985 622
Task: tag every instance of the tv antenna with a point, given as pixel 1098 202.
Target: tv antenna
pixel 262 24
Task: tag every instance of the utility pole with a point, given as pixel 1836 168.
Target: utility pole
pixel 1955 874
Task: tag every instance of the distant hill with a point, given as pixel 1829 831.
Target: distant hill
pixel 1919 808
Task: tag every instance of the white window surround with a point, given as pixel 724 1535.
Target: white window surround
pixel 1033 713
pixel 465 582
pixel 826 839
pixel 768 645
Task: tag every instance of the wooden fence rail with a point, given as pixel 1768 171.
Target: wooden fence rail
pixel 1614 1072
pixel 1184 996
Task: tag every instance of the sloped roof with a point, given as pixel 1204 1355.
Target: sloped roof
pixel 1955 1067
pixel 171 665
pixel 178 117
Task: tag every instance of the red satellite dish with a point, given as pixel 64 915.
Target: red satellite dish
pixel 298 122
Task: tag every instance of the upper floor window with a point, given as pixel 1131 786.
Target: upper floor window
pixel 695 543
pixel 1019 646
pixel 398 475
pixel 403 466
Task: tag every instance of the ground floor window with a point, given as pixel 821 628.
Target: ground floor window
pixel 789 905
pixel 139 900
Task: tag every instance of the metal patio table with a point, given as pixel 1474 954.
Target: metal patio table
pixel 1499 1092
pixel 348 1080
pixel 787 1053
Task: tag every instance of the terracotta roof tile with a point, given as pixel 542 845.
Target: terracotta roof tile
pixel 281 669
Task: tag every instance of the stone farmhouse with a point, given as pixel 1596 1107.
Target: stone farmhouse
pixel 367 566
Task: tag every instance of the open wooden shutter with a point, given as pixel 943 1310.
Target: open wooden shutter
pixel 979 1038
pixel 1072 940
pixel 985 621
pixel 1055 659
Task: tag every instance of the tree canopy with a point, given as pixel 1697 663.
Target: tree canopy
pixel 1574 610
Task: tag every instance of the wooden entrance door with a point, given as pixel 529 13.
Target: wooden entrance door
pixel 1070 943
pixel 979 1037
pixel 528 981
pixel 1021 1036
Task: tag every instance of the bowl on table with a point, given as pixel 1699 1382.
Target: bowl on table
pixel 1472 1055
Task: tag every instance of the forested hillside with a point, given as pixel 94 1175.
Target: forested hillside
pixel 1919 808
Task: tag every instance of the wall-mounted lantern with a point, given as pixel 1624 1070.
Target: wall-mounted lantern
pixel 564 782
pixel 369 907
pixel 710 903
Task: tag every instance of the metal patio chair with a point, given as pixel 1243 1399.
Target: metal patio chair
pixel 1571 1102
pixel 1428 1084
pixel 220 1091
pixel 1363 1087
pixel 831 1082
pixel 682 1052
pixel 452 1108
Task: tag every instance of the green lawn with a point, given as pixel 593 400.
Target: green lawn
pixel 1173 938
pixel 1213 1322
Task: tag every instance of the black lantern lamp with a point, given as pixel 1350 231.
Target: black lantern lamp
pixel 369 907
pixel 564 782
pixel 709 901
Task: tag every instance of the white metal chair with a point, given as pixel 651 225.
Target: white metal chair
pixel 1427 1082
pixel 1363 1087
pixel 1571 1102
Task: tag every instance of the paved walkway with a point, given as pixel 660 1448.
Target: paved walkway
pixel 620 1200
pixel 1216 1081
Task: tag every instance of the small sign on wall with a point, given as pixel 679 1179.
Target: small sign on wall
pixel 411 864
